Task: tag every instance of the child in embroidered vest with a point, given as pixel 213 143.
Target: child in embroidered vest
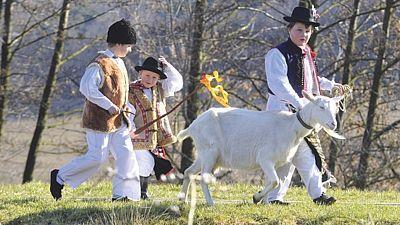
pixel 105 85
pixel 158 80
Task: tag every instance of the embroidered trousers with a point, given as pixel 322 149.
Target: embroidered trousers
pixel 126 179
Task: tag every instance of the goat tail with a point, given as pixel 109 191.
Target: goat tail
pixel 183 134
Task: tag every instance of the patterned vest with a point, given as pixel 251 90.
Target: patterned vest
pixel 159 133
pixel 294 58
pixel 115 88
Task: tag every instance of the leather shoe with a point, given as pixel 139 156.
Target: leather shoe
pixel 324 200
pixel 55 187
pixel 144 196
pixel 278 202
pixel 121 199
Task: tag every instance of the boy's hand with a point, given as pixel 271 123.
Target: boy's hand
pixel 113 110
pixel 132 134
pixel 163 61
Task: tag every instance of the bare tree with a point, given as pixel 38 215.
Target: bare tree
pixel 45 102
pixel 347 68
pixel 5 60
pixel 361 179
pixel 192 107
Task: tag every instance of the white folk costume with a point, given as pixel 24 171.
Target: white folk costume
pixel 148 104
pixel 285 84
pixel 105 133
pixel 105 85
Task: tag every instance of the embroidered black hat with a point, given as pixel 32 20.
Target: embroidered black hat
pixel 303 15
pixel 121 32
pixel 151 64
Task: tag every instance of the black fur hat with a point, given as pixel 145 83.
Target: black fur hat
pixel 121 32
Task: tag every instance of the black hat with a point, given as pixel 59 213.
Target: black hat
pixel 121 32
pixel 303 15
pixel 151 64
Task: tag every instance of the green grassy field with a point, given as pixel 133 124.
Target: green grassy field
pixel 90 204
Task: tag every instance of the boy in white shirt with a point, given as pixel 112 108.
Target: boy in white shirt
pixel 290 68
pixel 105 85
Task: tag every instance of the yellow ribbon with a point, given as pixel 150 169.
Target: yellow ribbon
pixel 218 92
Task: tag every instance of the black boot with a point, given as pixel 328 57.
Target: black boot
pixel 55 187
pixel 144 183
pixel 324 200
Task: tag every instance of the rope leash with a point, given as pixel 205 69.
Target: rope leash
pixel 144 127
pixel 344 90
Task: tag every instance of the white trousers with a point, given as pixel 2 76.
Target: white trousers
pixel 145 161
pixel 126 178
pixel 304 162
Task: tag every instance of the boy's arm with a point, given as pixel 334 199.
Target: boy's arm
pixel 90 83
pixel 132 116
pixel 278 82
pixel 174 80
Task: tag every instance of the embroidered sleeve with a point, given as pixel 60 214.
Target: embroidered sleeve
pixel 278 82
pixel 90 83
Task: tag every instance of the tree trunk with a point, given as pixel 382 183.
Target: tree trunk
pixel 361 178
pixel 50 84
pixel 192 107
pixel 5 61
pixel 345 80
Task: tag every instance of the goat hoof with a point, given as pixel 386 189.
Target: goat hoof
pixel 181 196
pixel 255 200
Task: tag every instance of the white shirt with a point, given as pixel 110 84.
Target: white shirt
pixel 276 72
pixel 93 79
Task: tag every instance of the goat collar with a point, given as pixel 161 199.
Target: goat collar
pixel 302 121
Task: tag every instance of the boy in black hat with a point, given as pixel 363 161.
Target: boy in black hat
pixel 105 86
pixel 158 80
pixel 290 68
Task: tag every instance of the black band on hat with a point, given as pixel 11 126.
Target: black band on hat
pixel 121 32
pixel 151 64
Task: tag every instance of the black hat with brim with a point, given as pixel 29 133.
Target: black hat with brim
pixel 151 64
pixel 303 15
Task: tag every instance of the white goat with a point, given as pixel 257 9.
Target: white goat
pixel 245 139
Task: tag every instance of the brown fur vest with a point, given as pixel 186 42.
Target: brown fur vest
pixel 159 133
pixel 114 87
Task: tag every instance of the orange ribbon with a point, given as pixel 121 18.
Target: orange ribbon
pixel 218 92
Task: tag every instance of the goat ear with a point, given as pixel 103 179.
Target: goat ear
pixel 308 96
pixel 333 134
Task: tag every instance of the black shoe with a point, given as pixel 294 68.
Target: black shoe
pixel 121 199
pixel 324 200
pixel 144 196
pixel 55 187
pixel 144 182
pixel 278 202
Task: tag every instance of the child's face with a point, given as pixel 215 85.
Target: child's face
pixel 149 79
pixel 121 50
pixel 300 34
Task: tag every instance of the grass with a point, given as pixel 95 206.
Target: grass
pixel 90 204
